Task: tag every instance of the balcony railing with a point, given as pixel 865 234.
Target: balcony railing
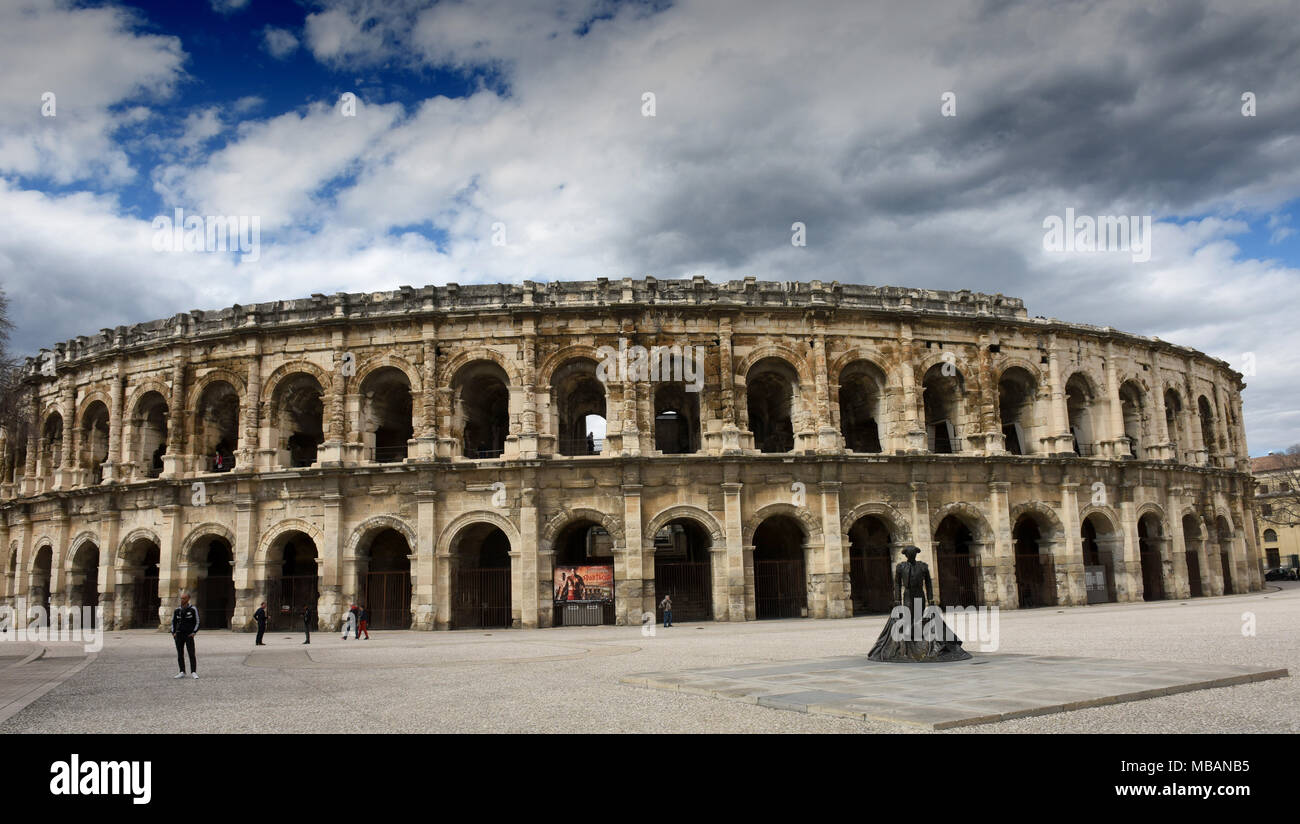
pixel 581 446
pixel 390 454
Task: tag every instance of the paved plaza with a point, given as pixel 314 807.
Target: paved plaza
pixel 576 680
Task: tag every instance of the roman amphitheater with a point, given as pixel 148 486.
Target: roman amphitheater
pixel 461 456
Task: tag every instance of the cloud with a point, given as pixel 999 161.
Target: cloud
pixel 279 43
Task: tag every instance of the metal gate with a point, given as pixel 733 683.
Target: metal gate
pixel 1194 574
pixel 145 603
pixel 1226 560
pixel 216 601
pixel 1153 588
pixel 689 584
pixel 294 592
pixel 958 580
pixel 1036 580
pixel 780 589
pixel 388 599
pixel 482 599
pixel 871 584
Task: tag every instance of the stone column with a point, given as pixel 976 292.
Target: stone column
pixel 1200 450
pixel 1223 449
pixel 999 584
pixel 913 419
pixel 59 561
pixel 1060 441
pixel 1165 448
pixel 174 457
pixel 534 591
pixel 427 431
pixel 248 588
pixel 172 566
pixel 1128 569
pixel 989 412
pixel 528 435
pixel 1071 587
pixel 116 425
pixel 338 575
pixel 65 474
pixel 737 595
pixel 835 554
pixel 1119 445
pixel 829 440
pixel 731 434
pixel 423 576
pixel 630 593
pixel 250 445
pixel 1179 582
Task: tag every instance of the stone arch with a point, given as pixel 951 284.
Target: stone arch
pixel 137 534
pixel 1046 516
pixel 684 512
pixel 557 523
pixel 447 372
pixel 1108 514
pixel 91 397
pixel 1151 508
pixel 836 368
pixel 236 381
pixel 546 369
pixel 141 389
pixel 1226 514
pixel 81 538
pixel 1002 364
pixel 273 381
pixel 378 523
pixel 474 516
pixel 899 528
pixel 812 529
pixel 968 514
pixel 388 359
pixel 773 350
pixel 203 531
pixel 270 536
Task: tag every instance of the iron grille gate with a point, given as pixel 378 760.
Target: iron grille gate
pixel 958 580
pixel 1194 574
pixel 689 584
pixel 295 592
pixel 1036 580
pixel 145 603
pixel 388 599
pixel 482 599
pixel 1152 587
pixel 780 589
pixel 871 584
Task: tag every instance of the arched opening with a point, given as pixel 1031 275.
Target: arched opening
pixel 139 592
pixel 579 398
pixel 1099 544
pixel 862 387
pixel 51 454
pixel 1174 422
pixel 384 572
pixel 1079 400
pixel 480 574
pixel 481 400
pixel 1206 414
pixel 293 582
pixel 83 586
pixel 1223 531
pixel 94 440
pixel 386 423
pixel 19 467
pixel 780 578
pixel 584 575
pixel 1150 538
pixel 770 398
pixel 871 581
pixel 683 569
pixel 216 590
pixel 1035 571
pixel 1017 390
pixel 1193 545
pixel 1132 403
pixel 39 591
pixel 150 424
pixel 216 427
pixel 942 390
pixel 677 422
pixel 299 400
pixel 958 563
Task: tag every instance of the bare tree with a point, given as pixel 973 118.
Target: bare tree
pixel 13 394
pixel 1279 496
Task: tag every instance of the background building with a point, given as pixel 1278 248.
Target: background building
pixel 1277 499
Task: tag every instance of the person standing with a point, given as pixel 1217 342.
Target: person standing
pixel 260 618
pixel 185 625
pixel 365 621
pixel 350 622
pixel 306 623
pixel 667 606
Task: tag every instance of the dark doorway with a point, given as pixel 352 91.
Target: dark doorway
pixel 683 570
pixel 1035 572
pixel 217 588
pixel 780 579
pixel 145 602
pixel 1149 536
pixel 1096 555
pixel 958 564
pixel 388 582
pixel 481 578
pixel 296 588
pixel 871 581
pixel 584 582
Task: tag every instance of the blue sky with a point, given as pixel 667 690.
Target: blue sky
pixel 530 116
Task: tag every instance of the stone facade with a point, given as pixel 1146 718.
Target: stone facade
pixel 932 414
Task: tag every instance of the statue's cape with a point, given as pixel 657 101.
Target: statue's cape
pixel 931 639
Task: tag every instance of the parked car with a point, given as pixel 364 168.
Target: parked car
pixel 1281 574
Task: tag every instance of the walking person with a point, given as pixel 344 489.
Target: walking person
pixel 365 621
pixel 306 623
pixel 350 622
pixel 185 624
pixel 260 618
pixel 667 606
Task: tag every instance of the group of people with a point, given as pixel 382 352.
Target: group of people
pixel 185 626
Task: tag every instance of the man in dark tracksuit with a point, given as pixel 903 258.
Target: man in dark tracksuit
pixel 185 624
pixel 306 623
pixel 260 618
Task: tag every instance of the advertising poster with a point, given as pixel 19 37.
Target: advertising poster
pixel 584 583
